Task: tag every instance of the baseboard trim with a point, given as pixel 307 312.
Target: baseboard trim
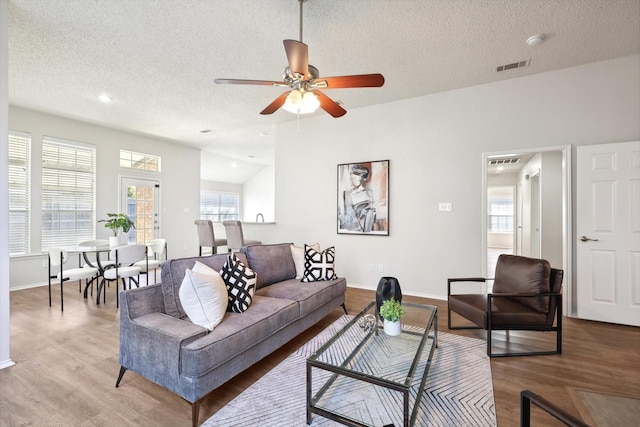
pixel 413 294
pixel 6 363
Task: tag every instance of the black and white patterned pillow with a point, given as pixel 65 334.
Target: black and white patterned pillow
pixel 241 284
pixel 318 265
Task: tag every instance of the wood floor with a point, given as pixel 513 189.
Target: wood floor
pixel 67 363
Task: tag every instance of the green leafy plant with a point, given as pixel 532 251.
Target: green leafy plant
pixel 391 310
pixel 118 222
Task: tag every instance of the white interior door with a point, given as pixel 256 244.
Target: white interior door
pixel 608 232
pixel 140 199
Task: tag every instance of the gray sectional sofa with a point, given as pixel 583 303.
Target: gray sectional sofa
pixel 158 341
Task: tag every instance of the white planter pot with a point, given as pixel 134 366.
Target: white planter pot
pixel 114 241
pixel 392 328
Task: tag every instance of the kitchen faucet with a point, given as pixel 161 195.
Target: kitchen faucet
pixel 261 216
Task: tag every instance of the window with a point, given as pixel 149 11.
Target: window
pixel 500 209
pixel 147 162
pixel 68 192
pixel 19 194
pixel 219 207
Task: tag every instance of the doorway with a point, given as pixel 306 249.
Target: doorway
pixel 541 178
pixel 140 200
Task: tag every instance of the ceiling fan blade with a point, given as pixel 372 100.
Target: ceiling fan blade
pixel 248 82
pixel 298 56
pixel 277 103
pixel 329 105
pixel 360 80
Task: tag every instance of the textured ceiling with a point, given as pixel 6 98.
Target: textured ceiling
pixel 157 59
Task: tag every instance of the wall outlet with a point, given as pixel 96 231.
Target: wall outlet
pixel 380 268
pixel 371 267
pixel 445 207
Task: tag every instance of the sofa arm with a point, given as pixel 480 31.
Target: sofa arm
pixel 140 301
pixel 150 343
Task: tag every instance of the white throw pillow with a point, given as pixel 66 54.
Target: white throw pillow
pixel 204 269
pixel 204 298
pixel 298 258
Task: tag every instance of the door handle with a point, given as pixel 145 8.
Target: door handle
pixel 586 239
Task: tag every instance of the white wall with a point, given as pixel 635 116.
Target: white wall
pixel 179 189
pixel 435 145
pixel 5 360
pixel 259 196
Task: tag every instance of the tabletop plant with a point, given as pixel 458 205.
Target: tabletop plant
pixel 391 310
pixel 118 222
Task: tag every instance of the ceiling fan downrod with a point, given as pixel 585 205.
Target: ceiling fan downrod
pixel 301 3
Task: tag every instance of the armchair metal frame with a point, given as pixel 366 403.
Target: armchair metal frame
pixel 555 313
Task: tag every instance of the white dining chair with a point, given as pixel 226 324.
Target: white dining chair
pixel 57 258
pixel 158 249
pixel 125 257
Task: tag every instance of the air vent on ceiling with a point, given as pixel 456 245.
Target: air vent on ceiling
pixel 513 66
pixel 510 161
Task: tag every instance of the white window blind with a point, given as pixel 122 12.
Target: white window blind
pixel 218 206
pixel 68 192
pixel 19 195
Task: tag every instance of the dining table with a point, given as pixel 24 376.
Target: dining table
pixel 85 252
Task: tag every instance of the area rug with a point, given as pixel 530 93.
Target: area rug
pixel 459 391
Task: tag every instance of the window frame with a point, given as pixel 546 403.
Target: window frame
pixel 149 162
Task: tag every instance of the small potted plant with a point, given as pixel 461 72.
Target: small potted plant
pixel 391 311
pixel 115 223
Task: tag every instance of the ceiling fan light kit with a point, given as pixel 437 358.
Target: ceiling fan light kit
pixel 305 81
pixel 299 102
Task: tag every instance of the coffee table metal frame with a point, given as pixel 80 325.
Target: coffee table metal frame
pixel 341 370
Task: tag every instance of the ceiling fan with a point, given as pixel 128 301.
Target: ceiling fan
pixel 305 82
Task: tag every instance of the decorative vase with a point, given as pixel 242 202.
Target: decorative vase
pixel 388 287
pixel 114 241
pixel 392 328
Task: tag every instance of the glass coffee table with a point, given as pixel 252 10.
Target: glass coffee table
pixel 363 377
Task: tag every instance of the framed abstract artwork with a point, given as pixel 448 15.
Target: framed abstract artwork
pixel 363 198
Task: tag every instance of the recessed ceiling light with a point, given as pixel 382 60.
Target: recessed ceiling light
pixel 234 165
pixel 104 98
pixel 263 133
pixel 535 40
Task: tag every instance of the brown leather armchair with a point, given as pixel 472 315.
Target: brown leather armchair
pixel 526 295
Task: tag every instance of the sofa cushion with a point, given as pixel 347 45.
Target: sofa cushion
pixel 272 263
pixel 173 272
pixel 241 284
pixel 238 333
pixel 310 296
pixel 318 265
pixel 204 297
pixel 522 275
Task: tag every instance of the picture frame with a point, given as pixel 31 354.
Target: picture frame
pixel 363 198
